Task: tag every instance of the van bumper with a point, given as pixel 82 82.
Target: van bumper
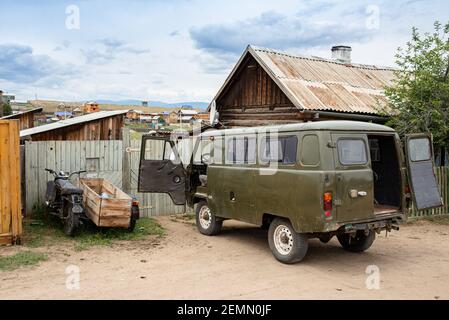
pixel 379 223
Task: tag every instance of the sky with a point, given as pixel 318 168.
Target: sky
pixel 183 50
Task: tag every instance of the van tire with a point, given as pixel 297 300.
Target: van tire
pixel 297 244
pixel 360 243
pixel 206 222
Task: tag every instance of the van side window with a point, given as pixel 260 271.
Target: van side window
pixel 241 150
pixel 310 153
pixel 352 151
pixel 419 149
pixel 218 151
pixel 279 149
pixel 158 150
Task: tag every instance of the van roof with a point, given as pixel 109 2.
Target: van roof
pixel 338 125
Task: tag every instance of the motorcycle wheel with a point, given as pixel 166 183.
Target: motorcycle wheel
pixel 71 222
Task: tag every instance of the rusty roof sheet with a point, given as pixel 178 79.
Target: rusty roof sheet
pixel 313 83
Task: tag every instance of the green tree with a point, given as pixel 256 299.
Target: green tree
pixel 419 96
pixel 7 110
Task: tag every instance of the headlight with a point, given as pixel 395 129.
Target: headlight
pixel 77 209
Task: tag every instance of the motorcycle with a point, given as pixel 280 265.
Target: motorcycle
pixel 65 200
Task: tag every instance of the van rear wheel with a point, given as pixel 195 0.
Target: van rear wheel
pixel 360 243
pixel 206 222
pixel 286 244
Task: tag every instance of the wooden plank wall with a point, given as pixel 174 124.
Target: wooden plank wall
pixel 253 98
pixel 101 159
pixel 103 129
pixel 10 203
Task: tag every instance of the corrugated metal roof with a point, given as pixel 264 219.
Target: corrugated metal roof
pixel 12 116
pixel 313 83
pixel 70 122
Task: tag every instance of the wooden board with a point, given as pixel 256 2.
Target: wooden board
pixel 106 212
pixel 10 203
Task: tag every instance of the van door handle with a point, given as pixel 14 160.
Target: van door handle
pixel 355 193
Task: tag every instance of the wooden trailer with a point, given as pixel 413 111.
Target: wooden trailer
pixel 105 204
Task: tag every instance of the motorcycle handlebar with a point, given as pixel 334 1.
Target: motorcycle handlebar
pixel 55 173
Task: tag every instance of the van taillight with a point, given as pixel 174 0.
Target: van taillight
pixel 327 204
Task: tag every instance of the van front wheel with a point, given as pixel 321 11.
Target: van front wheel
pixel 287 245
pixel 361 242
pixel 206 222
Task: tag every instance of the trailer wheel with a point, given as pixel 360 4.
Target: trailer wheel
pixel 361 242
pixel 133 219
pixel 286 244
pixel 206 222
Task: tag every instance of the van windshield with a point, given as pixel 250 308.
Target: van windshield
pixel 352 152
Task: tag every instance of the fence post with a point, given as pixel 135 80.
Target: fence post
pixel 126 169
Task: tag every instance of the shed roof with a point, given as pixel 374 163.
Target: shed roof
pixel 313 83
pixel 18 114
pixel 71 122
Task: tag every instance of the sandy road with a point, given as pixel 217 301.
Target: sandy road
pixel 413 264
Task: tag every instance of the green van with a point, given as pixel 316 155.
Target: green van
pixel 301 181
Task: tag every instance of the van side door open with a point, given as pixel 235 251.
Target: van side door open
pixel 420 165
pixel 161 170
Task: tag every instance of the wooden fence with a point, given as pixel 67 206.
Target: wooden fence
pixel 101 159
pixel 442 179
pixel 10 205
pixel 105 159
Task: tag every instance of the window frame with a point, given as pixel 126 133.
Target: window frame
pixel 367 155
pixel 263 144
pixel 233 140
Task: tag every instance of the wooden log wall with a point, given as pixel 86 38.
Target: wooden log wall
pixel 253 98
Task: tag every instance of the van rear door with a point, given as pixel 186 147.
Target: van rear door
pixel 420 166
pixel 161 170
pixel 354 199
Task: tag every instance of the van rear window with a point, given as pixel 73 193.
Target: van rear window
pixel 352 152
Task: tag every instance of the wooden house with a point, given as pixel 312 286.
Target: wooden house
pixel 267 86
pixel 26 117
pixel 90 107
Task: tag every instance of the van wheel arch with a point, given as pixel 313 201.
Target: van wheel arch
pixel 267 218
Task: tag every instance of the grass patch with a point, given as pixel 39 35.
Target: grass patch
pixel 441 220
pixel 93 236
pixel 46 230
pixel 21 259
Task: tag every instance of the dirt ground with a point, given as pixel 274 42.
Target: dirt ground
pixel 413 264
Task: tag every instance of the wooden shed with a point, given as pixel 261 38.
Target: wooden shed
pixel 268 86
pixel 103 125
pixel 26 118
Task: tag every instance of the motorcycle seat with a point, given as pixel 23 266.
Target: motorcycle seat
pixel 67 187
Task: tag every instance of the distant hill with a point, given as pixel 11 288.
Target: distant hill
pixel 132 102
